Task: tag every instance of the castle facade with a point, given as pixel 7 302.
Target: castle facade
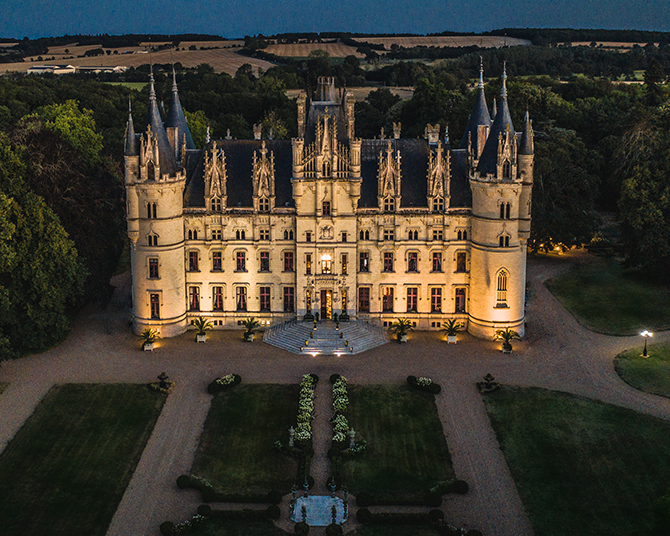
pixel 328 223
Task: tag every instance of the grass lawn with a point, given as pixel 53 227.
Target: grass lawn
pixel 236 452
pixel 218 527
pixel 581 466
pixel 606 298
pixel 132 85
pixel 407 453
pixel 652 374
pixel 65 471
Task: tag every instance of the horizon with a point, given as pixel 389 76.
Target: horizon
pixel 233 19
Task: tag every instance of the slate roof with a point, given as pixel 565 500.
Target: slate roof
pixel 526 143
pixel 461 194
pixel 489 158
pixel 131 145
pixel 166 155
pixel 479 116
pixel 176 118
pixel 316 111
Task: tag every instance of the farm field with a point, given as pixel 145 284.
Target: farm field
pixel 360 93
pixel 484 41
pixel 302 50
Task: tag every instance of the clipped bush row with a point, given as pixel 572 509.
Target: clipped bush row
pixel 209 494
pixel 223 383
pixel 450 486
pixel 366 499
pixel 424 384
pixel 364 516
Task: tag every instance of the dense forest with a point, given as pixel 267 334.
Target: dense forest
pixel 602 146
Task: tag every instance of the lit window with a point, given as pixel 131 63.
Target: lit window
pixel 412 299
pixel 437 262
pixel 326 264
pixel 308 263
pixel 217 299
pixel 436 300
pixel 387 300
pixel 193 298
pixel 502 289
pixel 153 268
pixel 364 262
pixel 344 259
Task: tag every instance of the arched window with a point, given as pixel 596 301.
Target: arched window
pixel 151 171
pixel 326 168
pixel 465 235
pixel 504 241
pixel 507 170
pixel 460 235
pixel 501 296
pixel 326 208
pixel 290 234
pixel 285 235
pixel 190 234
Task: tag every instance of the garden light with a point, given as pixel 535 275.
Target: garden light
pixel 645 334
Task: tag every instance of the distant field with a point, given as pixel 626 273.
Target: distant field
pixel 607 44
pixel 360 93
pixel 484 41
pixel 302 50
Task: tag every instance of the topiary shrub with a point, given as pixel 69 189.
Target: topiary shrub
pixel 273 512
pixel 334 378
pixel 301 529
pixel 274 497
pixel 461 487
pixel 436 515
pixel 333 530
pixel 183 481
pixel 315 377
pixel 411 380
pixel 363 515
pixel 364 499
pixel 204 510
pixel 167 528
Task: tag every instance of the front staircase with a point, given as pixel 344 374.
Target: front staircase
pixel 327 339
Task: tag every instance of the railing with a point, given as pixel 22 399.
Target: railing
pixel 277 328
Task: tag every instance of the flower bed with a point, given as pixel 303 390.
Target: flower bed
pixel 155 386
pixel 223 383
pixel 424 384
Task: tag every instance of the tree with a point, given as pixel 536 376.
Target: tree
pixel 197 124
pixel 654 78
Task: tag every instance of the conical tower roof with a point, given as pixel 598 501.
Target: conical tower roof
pixel 480 113
pixel 177 119
pixel 527 146
pixel 131 145
pixel 167 161
pixel 489 159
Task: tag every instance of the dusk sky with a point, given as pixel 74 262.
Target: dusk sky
pixel 236 18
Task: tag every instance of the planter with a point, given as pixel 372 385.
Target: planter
pixel 402 338
pixel 148 346
pixel 201 338
pixel 249 338
pixel 507 349
pixel 452 339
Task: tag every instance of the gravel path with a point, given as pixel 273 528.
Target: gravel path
pixel 558 354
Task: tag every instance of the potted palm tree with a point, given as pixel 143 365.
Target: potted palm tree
pixel 149 337
pixel 252 325
pixel 401 327
pixel 507 336
pixel 202 325
pixel 452 327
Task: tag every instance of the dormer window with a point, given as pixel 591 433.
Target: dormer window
pixel 389 204
pixel 326 208
pixel 216 204
pixel 507 170
pixel 438 204
pixel 264 204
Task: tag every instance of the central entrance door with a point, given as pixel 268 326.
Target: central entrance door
pixel 326 304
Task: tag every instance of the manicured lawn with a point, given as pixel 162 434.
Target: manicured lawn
pixel 581 466
pixel 606 298
pixel 407 453
pixel 236 452
pixel 65 471
pixel 652 374
pixel 217 527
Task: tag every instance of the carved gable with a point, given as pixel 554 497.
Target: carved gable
pixel 439 175
pixel 216 176
pixel 263 175
pixel 388 175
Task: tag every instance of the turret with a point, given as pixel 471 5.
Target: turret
pixel 526 157
pixel 176 125
pixel 477 131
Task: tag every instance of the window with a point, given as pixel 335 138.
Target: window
pixel 344 237
pixel 326 264
pixel 412 299
pixel 505 210
pixel 288 235
pixel 502 289
pixel 193 298
pixel 412 261
pixel 154 300
pixel 265 298
pixel 217 234
pixel 265 234
pixel 413 234
pixel 437 262
pixel 217 299
pixel 308 264
pixel 389 204
pixel 192 261
pixel 460 300
pixel 241 265
pixel 436 300
pixel 240 234
pixel 308 300
pixel 387 300
pixel 364 264
pixel 326 208
pixel 437 234
pixel 151 211
pixel 216 204
pixel 192 234
pixel 217 261
pixel 389 234
pixel 504 241
pixel 344 260
pixel 308 236
pixel 364 299
pixel 460 262
pixel 438 204
pixel 153 240
pixel 264 204
pixel 507 170
pixel 344 300
pixel 241 298
pixel 388 261
pixel 289 299
pixel 153 268
pixel 265 261
pixel 364 235
pixel 462 235
pixel 288 261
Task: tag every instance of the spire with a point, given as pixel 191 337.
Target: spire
pixel 481 73
pixel 131 140
pixel 167 162
pixel 527 145
pixel 479 116
pixel 494 109
pixel 503 90
pixel 177 120
pixel 152 91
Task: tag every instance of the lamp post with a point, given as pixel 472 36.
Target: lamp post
pixel 646 334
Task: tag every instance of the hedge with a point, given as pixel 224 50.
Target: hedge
pixel 365 499
pixel 209 494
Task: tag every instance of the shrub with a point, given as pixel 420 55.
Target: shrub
pixel 424 384
pixel 273 512
pixel 274 497
pixel 205 510
pixel 225 382
pixel 301 529
pixel 183 481
pixel 333 379
pixel 436 515
pixel 167 528
pixel 315 378
pixel 461 487
pixel 450 486
pixel 363 515
pixel 333 530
